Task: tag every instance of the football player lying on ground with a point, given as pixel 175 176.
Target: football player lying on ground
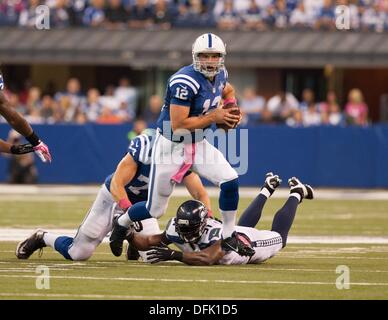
pixel 127 186
pixel 200 238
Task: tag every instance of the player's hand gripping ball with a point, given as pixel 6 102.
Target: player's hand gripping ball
pixel 229 104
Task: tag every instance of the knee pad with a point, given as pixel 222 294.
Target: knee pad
pixel 229 195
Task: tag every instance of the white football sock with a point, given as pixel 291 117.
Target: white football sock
pixel 296 195
pixel 49 239
pixel 265 192
pixel 228 222
pixel 124 220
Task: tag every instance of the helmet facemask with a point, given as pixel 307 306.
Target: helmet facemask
pixel 191 233
pixel 208 68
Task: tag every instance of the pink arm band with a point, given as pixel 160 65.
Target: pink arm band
pixel 124 204
pixel 230 100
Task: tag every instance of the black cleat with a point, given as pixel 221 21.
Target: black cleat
pixel 27 247
pixel 132 252
pixel 117 238
pixel 304 190
pixel 271 182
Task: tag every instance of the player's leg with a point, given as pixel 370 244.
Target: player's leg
pixel 167 158
pixel 284 218
pixel 265 243
pixel 251 215
pixel 92 231
pixel 212 165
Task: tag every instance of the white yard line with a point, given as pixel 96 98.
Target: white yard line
pixel 47 191
pixel 16 234
pixel 380 284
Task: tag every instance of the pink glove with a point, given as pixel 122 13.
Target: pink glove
pixel 43 152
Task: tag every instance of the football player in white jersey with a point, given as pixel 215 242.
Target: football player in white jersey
pixel 127 186
pixel 200 237
pixel 192 104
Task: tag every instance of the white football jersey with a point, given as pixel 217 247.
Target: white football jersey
pixel 266 243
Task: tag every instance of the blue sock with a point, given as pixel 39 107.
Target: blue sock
pixel 229 195
pixel 139 212
pixel 252 214
pixel 284 218
pixel 62 245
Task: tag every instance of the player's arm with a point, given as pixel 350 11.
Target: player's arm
pixel 206 257
pixel 180 119
pixel 144 243
pixel 21 125
pixel 124 173
pixel 228 92
pixel 196 189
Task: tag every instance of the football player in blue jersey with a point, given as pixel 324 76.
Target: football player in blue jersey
pixel 18 123
pixel 192 104
pixel 200 238
pixel 126 186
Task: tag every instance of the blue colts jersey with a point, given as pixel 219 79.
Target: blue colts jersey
pixel 140 149
pixel 191 89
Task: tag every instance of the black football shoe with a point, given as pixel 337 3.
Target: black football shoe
pixel 271 182
pixel 27 247
pixel 304 190
pixel 117 237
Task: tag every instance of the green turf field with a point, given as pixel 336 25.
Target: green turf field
pixel 300 271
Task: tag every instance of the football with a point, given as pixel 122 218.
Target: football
pixel 236 112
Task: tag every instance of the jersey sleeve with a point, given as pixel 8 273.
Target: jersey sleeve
pixel 139 149
pixel 226 76
pixel 183 89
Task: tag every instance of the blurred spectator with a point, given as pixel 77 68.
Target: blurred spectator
pixel 296 119
pixel 141 15
pixel 71 99
pixel 152 112
pixel 162 14
pixel 252 17
pixel 127 94
pixel 356 110
pixel 311 116
pixel 229 18
pixel 282 106
pixel 60 15
pixel 300 18
pixel 10 11
pixel 92 106
pixel 308 98
pixel 48 109
pixel 139 126
pixel 331 99
pixel 28 17
pixel 116 15
pixel 108 117
pixel 333 116
pixel 326 16
pixel 33 100
pixel 252 105
pixel 94 15
pixel 21 168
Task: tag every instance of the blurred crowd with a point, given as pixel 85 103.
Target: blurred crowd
pixel 225 14
pixel 119 104
pixel 285 108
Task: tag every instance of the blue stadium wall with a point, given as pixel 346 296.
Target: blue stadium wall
pixel 322 156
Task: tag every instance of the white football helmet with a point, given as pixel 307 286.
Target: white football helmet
pixel 208 43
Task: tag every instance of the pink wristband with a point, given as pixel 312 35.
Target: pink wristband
pixel 124 204
pixel 209 213
pixel 230 100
